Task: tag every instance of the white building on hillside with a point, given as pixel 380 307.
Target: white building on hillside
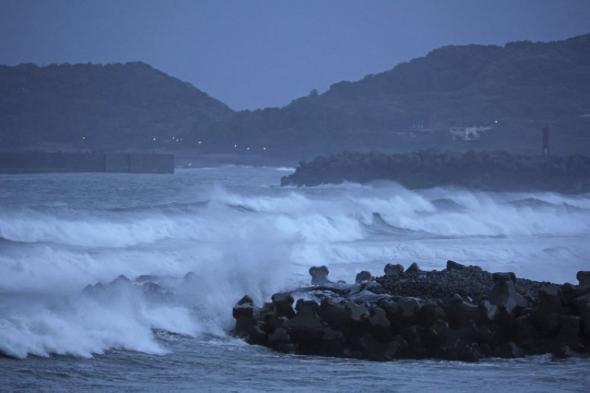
pixel 470 133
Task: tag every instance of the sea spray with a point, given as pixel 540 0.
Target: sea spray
pixel 242 237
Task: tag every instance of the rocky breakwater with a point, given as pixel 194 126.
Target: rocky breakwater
pixel 459 313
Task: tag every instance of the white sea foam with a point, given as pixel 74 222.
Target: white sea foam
pixel 252 243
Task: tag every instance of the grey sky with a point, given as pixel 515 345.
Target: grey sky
pixel 252 54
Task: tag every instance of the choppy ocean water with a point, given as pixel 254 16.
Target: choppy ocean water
pixel 239 232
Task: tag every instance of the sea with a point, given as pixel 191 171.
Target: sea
pixel 235 231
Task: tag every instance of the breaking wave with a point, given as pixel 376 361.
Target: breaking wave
pixel 252 242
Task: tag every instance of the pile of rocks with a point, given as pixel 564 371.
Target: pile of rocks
pixel 460 313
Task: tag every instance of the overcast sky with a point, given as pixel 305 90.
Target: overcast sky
pixel 253 54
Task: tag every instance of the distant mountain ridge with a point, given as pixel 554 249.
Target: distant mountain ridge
pixel 519 86
pixel 100 106
pixel 512 90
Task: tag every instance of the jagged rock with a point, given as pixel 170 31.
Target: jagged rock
pixel 459 312
pixel 319 275
pixel 413 268
pixel 504 293
pixel 409 307
pixel 278 337
pixel 373 349
pixel 502 277
pixel 525 330
pixel 547 311
pixel 333 343
pixel 146 277
pixel 391 270
pixel 452 265
pixel 580 301
pixel 583 278
pixel 283 303
pixel 391 307
pixel 429 312
pixel 567 293
pixel 363 276
pixel 413 334
pixel 335 314
pixel 356 312
pixel 489 310
pixel 549 300
pixel 379 324
pixel 247 325
pixel 245 300
pixel 569 329
pixel 306 324
pixel 376 322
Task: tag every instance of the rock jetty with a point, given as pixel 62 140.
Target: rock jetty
pixel 460 313
pixel 481 170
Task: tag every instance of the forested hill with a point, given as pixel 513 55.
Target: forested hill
pixel 509 91
pixel 100 107
pixel 516 89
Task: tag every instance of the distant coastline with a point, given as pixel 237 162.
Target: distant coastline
pixel 491 171
pixel 126 162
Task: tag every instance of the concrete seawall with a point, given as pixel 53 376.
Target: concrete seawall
pixel 43 162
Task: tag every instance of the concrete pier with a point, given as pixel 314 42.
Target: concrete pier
pixel 126 162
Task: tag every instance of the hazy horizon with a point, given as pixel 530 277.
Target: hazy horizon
pixel 258 54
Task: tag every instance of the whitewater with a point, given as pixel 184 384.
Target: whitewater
pixel 207 236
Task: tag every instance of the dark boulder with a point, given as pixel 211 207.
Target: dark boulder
pixel 391 270
pixel 583 278
pixel 504 293
pixel 319 275
pixel 247 324
pixel 413 268
pixel 363 276
pixel 452 265
pixel 379 324
pixel 570 327
pixel 409 307
pixel 545 315
pixel 357 313
pixel 488 310
pixel 459 312
pixel 279 338
pixel 283 303
pixel 335 314
pixel 306 325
